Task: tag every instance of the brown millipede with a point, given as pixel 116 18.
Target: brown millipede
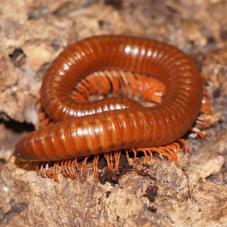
pixel 84 128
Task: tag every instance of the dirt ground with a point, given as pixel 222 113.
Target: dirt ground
pixel 190 192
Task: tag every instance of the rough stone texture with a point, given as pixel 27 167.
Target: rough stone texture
pixel 191 192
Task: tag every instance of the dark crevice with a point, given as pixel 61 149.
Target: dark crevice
pixel 18 57
pixel 117 4
pixel 151 192
pixel 16 126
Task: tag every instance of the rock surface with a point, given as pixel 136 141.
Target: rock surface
pixel 191 192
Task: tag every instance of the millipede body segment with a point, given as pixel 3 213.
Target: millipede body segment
pixel 81 129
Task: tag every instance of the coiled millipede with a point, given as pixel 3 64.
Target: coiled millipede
pixel 80 127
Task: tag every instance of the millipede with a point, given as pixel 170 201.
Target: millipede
pixel 75 124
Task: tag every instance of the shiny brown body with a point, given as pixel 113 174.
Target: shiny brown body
pixel 84 129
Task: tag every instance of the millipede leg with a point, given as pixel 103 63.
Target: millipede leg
pixel 204 120
pixel 146 157
pixel 42 170
pixel 206 103
pixel 117 156
pixel 109 160
pixel 48 171
pixel 75 167
pixel 55 172
pixel 184 145
pixel 63 169
pixel 95 166
pixel 127 157
pixel 70 170
pixel 84 166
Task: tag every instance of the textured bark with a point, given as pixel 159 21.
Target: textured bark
pixel 191 192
